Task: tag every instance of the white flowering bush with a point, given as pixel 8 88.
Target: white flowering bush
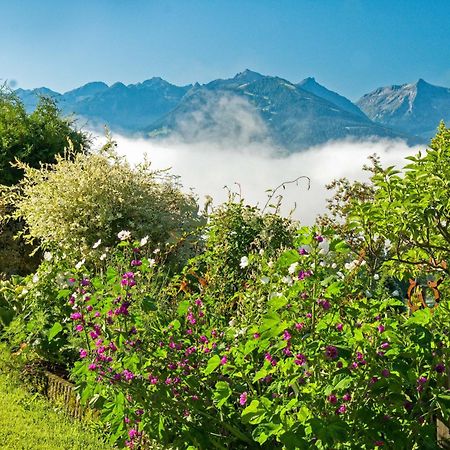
pixel 84 198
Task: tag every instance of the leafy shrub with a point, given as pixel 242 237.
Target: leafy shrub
pixel 324 366
pixel 84 198
pixel 33 138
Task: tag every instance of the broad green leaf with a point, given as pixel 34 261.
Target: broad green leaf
pixel 222 393
pixel 54 330
pixel 212 365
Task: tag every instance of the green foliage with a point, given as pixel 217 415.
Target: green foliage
pixel 84 198
pixel 269 337
pixel 235 235
pixel 33 138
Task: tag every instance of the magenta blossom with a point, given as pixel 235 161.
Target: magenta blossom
pixel 83 353
pixel 243 399
pixel 76 316
pixel 332 399
pixel 331 352
pixel 136 262
pixel 300 359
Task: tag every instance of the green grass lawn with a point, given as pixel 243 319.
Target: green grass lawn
pixel 30 422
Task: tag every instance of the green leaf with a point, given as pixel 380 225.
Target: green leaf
pixel 183 308
pixel 275 303
pixel 54 330
pixel 222 393
pixel 260 374
pixel 253 414
pixel 212 365
pixel 343 384
pixel 420 317
pixel 287 258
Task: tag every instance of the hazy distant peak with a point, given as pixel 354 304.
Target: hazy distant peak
pixel 88 89
pixel 311 85
pixel 118 85
pixel 415 108
pixel 248 76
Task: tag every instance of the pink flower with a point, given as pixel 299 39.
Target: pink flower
pixel 299 325
pixel 339 327
pixel 341 410
pixel 76 316
pixel 243 399
pixel 256 336
pixel 331 352
pixel 325 304
pixel 83 353
pixel 128 375
pixel 286 335
pixel 223 360
pixel 385 373
pixel 381 328
pixel 79 328
pixel 346 397
pixel 300 359
pixel 332 399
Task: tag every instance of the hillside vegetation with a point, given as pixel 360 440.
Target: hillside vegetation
pixel 237 328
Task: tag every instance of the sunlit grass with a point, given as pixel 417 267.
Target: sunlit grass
pixel 29 422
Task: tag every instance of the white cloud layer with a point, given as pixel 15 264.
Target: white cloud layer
pixel 207 167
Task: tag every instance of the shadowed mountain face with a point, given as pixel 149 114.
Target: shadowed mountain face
pixel 311 85
pixel 125 109
pixel 251 107
pixel 274 109
pixel 415 108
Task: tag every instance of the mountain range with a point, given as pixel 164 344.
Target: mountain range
pixel 251 107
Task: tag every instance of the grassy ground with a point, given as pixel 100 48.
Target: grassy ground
pixel 30 422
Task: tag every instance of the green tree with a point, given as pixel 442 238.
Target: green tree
pixel 401 217
pixel 33 138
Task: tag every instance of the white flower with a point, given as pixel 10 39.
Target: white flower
pixel 156 251
pixel 275 295
pixel 376 277
pixel 103 257
pixel 340 275
pixel 244 262
pixel 231 323
pixel 270 264
pixel 143 241
pixel 79 264
pixel 97 243
pixel 333 266
pixel 322 264
pixel 48 256
pixel 151 262
pixel 124 235
pixel 287 280
pixel 261 252
pixel 265 280
pixel 395 293
pixel 35 278
pixel 292 268
pixel 351 265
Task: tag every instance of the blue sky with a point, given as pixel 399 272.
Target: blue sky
pixel 351 46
